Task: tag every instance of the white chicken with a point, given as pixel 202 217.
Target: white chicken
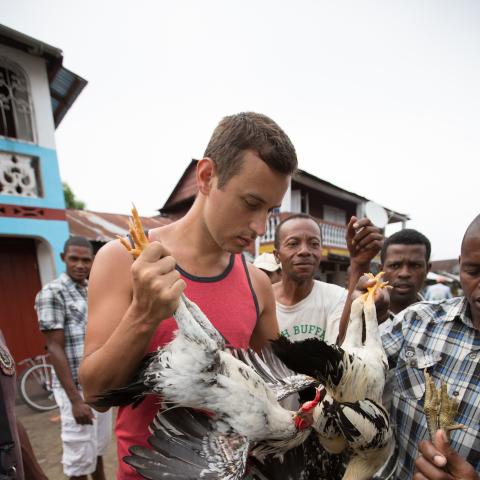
pixel 352 373
pixel 194 370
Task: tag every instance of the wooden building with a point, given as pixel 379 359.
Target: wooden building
pixel 331 205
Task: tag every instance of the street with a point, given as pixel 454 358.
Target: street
pixel 45 437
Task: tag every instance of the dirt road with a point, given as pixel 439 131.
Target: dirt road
pixel 45 437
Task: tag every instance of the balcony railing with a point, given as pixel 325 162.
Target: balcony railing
pixel 333 234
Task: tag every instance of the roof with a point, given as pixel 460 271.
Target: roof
pixel 186 189
pixel 103 227
pixel 448 265
pixel 309 180
pixel 65 86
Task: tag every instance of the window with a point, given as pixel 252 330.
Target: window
pixel 334 214
pixel 15 102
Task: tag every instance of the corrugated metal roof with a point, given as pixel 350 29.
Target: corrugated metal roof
pixel 103 227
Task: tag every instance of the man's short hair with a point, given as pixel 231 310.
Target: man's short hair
pixel 249 131
pixel 296 216
pixel 77 241
pixel 408 236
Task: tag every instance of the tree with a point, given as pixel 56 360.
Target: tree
pixel 70 200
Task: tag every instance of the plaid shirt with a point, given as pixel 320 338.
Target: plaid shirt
pixel 62 305
pixel 440 337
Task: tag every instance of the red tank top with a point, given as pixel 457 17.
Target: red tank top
pixel 230 303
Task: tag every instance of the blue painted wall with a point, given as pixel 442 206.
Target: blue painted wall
pixel 51 183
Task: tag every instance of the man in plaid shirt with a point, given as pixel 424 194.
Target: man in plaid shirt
pixel 62 314
pixel 444 338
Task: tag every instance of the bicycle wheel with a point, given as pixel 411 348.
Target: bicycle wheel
pixel 36 388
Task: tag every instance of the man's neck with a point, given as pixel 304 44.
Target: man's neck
pixel 80 283
pixel 191 244
pixel 290 292
pixel 397 307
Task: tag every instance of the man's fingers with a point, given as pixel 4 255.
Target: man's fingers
pixel 362 223
pixel 366 236
pixel 432 454
pixel 419 476
pixel 177 288
pixel 154 251
pixel 426 469
pixel 364 282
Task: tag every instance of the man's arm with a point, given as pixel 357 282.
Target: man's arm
pixel 267 325
pixel 127 301
pixel 441 462
pixel 55 340
pixel 364 242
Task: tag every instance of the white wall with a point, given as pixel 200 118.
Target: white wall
pixel 36 71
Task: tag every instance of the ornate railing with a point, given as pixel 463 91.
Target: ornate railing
pixel 18 175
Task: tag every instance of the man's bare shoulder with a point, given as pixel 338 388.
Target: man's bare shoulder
pixel 112 263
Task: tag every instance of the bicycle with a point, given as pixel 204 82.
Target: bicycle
pixel 36 384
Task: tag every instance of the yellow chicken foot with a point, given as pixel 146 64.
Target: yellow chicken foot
pixel 379 284
pixel 439 408
pixel 137 235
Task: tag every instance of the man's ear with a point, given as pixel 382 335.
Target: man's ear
pixel 429 266
pixel 62 256
pixel 275 254
pixel 206 172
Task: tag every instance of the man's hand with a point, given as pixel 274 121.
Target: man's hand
pixel 381 296
pixel 82 413
pixel 157 286
pixel 364 241
pixel 441 462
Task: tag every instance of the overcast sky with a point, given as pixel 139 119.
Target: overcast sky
pixel 379 97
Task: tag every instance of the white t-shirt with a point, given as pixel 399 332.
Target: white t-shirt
pixel 318 315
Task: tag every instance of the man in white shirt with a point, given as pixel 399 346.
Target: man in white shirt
pixel 307 307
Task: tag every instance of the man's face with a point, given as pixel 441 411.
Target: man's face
pixel 405 267
pixel 78 261
pixel 470 273
pixel 237 213
pixel 300 249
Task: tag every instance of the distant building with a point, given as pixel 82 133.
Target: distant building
pixel 332 206
pixel 36 92
pixel 101 227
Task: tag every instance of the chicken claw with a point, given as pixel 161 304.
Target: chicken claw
pixel 379 284
pixel 439 408
pixel 137 234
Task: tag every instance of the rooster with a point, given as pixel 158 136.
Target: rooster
pixel 354 372
pixel 240 391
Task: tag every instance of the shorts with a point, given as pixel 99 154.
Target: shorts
pixel 82 444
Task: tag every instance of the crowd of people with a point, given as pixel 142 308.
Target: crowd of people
pixel 242 177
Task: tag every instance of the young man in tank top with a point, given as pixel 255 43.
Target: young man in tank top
pixel 242 177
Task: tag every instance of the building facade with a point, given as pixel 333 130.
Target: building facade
pixel 35 93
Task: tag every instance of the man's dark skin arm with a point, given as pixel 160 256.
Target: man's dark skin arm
pixel 364 242
pixel 440 461
pixel 56 347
